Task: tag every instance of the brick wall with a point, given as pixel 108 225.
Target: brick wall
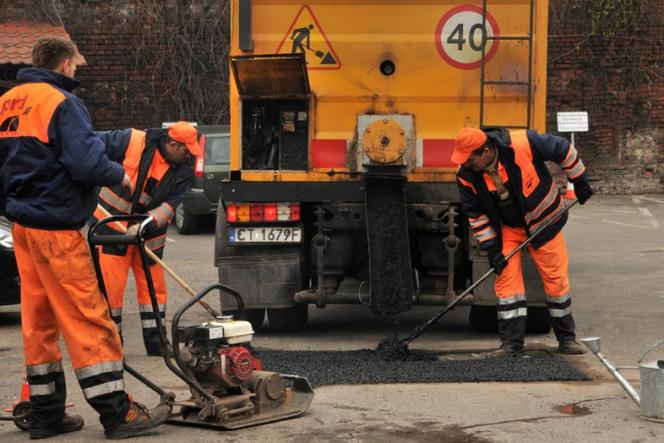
pixel 617 79
pixel 623 150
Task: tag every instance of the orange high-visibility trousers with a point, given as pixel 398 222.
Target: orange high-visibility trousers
pixel 60 294
pixel 115 269
pixel 552 261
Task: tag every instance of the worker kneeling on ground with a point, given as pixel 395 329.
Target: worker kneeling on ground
pixel 159 164
pixel 507 192
pixel 50 163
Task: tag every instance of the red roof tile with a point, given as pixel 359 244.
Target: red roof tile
pixel 18 38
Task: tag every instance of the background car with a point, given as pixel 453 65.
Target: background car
pixel 201 201
pixel 10 286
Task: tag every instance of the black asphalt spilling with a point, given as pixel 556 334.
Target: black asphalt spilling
pixel 366 367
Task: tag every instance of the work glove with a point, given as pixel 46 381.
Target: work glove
pixel 582 191
pixel 497 261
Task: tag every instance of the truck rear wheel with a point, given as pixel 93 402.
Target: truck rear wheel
pixel 483 318
pixel 288 319
pixel 185 222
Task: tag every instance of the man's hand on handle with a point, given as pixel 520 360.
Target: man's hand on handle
pixel 126 183
pixel 497 261
pixel 583 191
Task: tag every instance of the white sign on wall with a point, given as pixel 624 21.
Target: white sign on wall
pixel 573 121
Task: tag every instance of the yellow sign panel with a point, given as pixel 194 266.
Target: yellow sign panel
pixel 306 36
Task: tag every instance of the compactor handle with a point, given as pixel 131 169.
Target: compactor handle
pixel 118 239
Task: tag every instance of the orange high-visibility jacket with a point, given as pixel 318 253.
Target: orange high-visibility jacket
pixel 159 186
pixel 537 197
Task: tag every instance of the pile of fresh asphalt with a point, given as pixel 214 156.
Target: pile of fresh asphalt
pixel 367 367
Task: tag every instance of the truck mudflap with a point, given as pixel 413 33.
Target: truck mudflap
pixel 265 281
pixel 390 270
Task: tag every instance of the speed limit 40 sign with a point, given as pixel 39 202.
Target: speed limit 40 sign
pixel 460 37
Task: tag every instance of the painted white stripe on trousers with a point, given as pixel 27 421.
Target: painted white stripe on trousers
pixel 100 368
pixel 148 308
pixel 509 300
pixel 513 313
pixel 104 388
pixel 147 324
pixel 560 312
pixel 561 299
pixel 44 368
pixel 46 389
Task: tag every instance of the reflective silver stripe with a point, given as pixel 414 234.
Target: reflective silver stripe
pixel 149 324
pixel 544 204
pixel 148 308
pixel 485 234
pixel 513 299
pixel 548 217
pixel 156 243
pixel 571 157
pixel 118 327
pixel 115 200
pixel 560 312
pixel 44 368
pixel 561 299
pixel 104 388
pixel 162 214
pixel 100 368
pixel 479 221
pixel 576 170
pixel 46 389
pixel 513 313
pixel 116 312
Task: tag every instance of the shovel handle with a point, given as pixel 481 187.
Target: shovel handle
pixel 188 289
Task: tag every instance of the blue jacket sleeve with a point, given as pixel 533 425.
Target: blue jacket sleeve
pixel 164 213
pixel 557 149
pixel 116 143
pixel 81 151
pixel 480 224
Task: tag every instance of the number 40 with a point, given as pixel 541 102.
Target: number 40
pixel 456 37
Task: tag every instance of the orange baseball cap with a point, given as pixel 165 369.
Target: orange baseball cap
pixel 185 133
pixel 467 140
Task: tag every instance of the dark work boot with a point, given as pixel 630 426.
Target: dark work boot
pixel 508 349
pixel 139 420
pixel 570 347
pixel 69 423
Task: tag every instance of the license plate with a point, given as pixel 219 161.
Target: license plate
pixel 265 234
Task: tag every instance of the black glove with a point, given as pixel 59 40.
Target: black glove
pixel 497 261
pixel 582 191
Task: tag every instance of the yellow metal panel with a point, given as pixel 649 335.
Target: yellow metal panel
pixel 363 33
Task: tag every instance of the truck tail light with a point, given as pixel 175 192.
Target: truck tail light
pixel 200 161
pixel 295 211
pixel 243 213
pixel 270 212
pixel 198 169
pixel 262 212
pixel 256 212
pixel 231 213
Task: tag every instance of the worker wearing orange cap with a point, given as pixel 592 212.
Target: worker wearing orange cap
pixel 159 163
pixel 507 193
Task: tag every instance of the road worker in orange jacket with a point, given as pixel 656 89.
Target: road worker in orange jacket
pixel 50 163
pixel 507 192
pixel 159 163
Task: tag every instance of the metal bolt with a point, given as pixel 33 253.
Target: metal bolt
pixel 385 121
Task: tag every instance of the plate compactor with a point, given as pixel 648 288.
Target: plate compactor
pixel 229 388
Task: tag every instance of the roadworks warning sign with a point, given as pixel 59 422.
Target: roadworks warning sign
pixel 306 36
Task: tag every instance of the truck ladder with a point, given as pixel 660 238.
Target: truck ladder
pixel 527 84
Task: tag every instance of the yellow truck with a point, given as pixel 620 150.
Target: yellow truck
pixel 343 118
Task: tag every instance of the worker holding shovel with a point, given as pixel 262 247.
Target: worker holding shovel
pixel 159 163
pixel 507 192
